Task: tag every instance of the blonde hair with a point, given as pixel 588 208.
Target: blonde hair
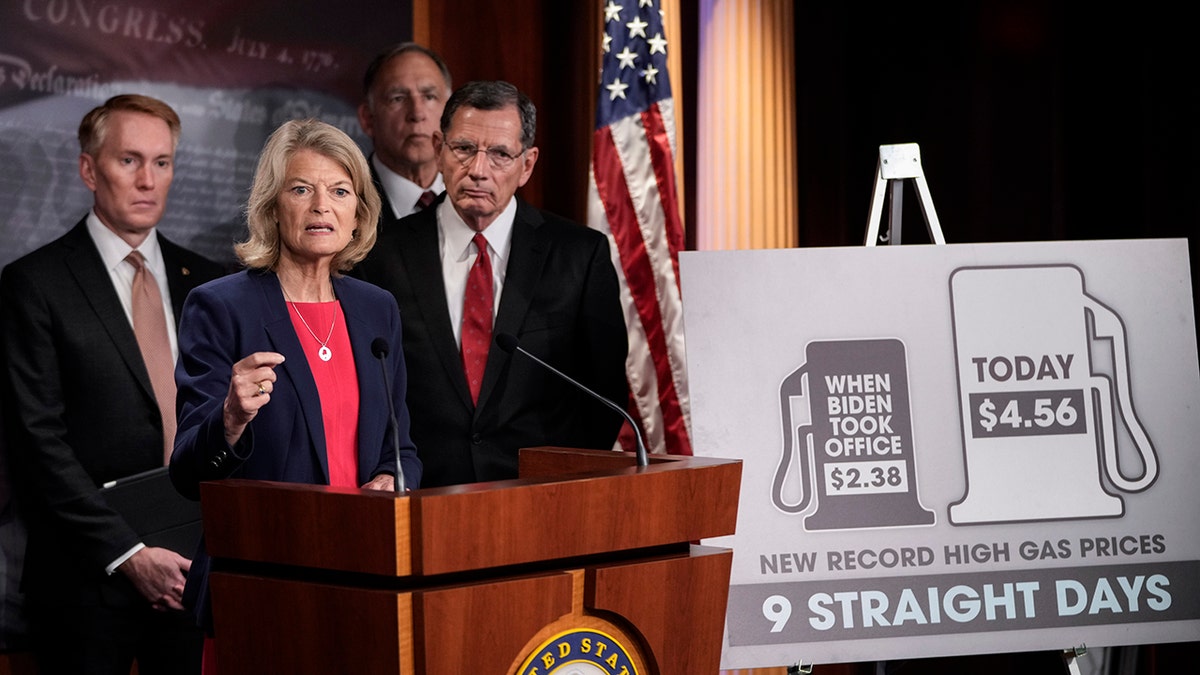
pixel 262 249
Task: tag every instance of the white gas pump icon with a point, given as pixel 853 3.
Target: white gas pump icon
pixel 1039 422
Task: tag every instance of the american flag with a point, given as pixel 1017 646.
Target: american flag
pixel 632 199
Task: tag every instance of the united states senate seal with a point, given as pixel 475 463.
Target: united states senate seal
pixel 579 651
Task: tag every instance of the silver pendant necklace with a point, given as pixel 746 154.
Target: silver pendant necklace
pixel 324 352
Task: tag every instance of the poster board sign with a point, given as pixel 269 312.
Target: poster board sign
pixel 951 449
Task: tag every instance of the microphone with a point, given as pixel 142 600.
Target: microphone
pixel 510 344
pixel 379 347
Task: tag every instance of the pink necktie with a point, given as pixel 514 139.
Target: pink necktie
pixel 150 327
pixel 477 318
pixel 426 199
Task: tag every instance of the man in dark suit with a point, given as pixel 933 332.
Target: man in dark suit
pixel 90 399
pixel 482 262
pixel 404 91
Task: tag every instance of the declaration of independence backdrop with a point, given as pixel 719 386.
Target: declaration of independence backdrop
pixel 233 70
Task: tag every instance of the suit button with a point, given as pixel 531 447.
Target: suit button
pixel 476 439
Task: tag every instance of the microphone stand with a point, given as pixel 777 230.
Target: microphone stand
pixel 510 344
pixel 380 349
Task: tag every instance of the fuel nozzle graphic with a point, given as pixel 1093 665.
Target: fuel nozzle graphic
pixel 1039 417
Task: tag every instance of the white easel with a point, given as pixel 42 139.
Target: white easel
pixel 898 163
pixel 1070 658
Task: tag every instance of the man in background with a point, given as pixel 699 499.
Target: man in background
pixel 88 329
pixel 480 263
pixel 404 91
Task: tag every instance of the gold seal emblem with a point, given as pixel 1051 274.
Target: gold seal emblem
pixel 579 651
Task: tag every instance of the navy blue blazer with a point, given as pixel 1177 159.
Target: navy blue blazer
pixel 233 317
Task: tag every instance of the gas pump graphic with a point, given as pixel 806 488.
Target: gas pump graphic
pixel 1039 424
pixel 847 427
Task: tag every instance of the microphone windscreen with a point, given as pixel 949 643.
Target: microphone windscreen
pixel 506 342
pixel 379 347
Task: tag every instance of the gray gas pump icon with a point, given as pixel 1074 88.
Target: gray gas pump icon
pixel 847 431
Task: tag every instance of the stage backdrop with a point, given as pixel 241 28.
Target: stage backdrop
pixel 233 70
pixel 951 449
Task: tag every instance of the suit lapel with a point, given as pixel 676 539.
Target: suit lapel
pixel 180 281
pixel 423 266
pixel 526 258
pixel 278 324
pixel 362 333
pixel 96 285
pixel 387 215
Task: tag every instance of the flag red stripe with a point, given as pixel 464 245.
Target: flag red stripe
pixel 664 174
pixel 639 274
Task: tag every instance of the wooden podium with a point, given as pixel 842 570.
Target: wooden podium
pixel 584 557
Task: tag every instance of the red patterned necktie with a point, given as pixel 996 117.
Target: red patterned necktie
pixel 150 328
pixel 477 318
pixel 426 199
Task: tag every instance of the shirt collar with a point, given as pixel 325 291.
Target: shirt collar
pixel 457 235
pixel 113 249
pixel 401 192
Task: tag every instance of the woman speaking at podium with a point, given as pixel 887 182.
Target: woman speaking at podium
pixel 278 375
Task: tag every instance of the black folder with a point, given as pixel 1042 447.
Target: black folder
pixel 153 508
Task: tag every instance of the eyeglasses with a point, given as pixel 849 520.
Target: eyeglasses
pixel 498 158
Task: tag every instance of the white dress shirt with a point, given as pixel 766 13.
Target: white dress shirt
pixel 402 193
pixel 113 251
pixel 458 254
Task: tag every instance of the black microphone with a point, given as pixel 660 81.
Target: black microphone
pixel 379 347
pixel 510 344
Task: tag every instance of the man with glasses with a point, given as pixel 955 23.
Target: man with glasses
pixel 482 263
